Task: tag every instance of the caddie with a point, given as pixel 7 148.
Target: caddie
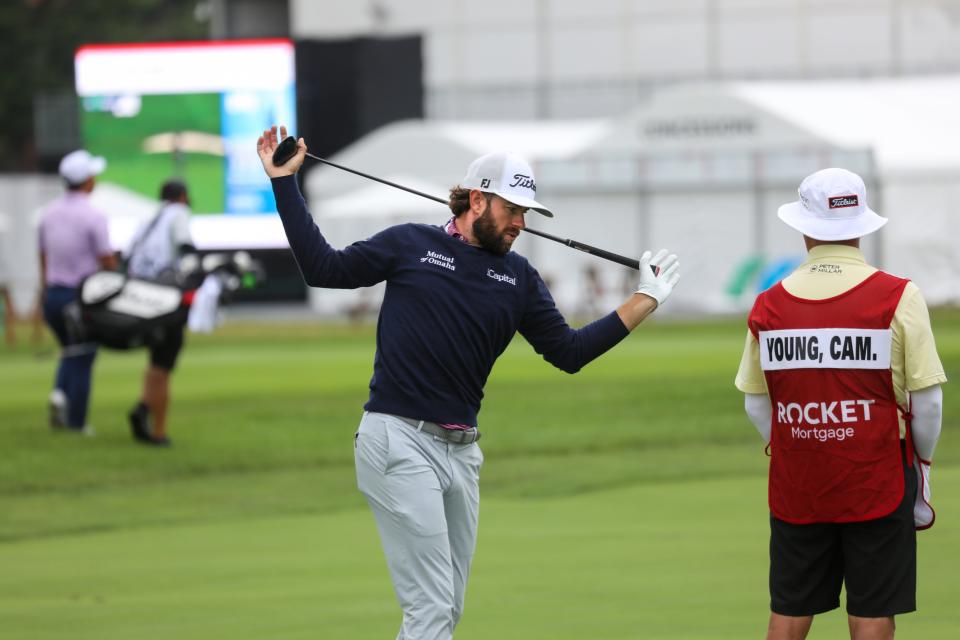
pixel 841 377
pixel 455 297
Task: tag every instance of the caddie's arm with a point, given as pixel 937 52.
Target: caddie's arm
pixel 922 370
pixel 750 380
pixel 760 412
pixel 926 405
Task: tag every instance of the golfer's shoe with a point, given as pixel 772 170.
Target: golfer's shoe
pixel 57 409
pixel 157 441
pixel 87 431
pixel 140 424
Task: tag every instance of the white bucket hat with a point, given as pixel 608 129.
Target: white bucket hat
pixel 79 166
pixel 506 175
pixel 832 206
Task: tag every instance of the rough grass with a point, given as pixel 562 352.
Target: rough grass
pixel 627 501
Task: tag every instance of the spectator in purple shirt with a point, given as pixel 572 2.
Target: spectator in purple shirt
pixel 73 244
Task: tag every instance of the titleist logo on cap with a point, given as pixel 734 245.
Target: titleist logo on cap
pixel 520 180
pixel 839 202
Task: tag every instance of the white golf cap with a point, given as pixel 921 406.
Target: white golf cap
pixel 508 176
pixel 832 206
pixel 78 166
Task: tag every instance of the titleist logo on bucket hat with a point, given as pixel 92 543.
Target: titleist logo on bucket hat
pixel 832 206
pixel 844 201
pixel 506 175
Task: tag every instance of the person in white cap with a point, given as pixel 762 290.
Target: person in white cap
pixel 841 377
pixel 73 244
pixel 456 295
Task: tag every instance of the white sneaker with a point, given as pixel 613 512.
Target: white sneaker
pixel 57 406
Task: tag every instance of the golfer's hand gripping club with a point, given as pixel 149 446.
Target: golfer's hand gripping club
pixel 658 275
pixel 284 151
pixel 280 158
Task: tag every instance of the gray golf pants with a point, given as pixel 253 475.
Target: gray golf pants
pixel 425 497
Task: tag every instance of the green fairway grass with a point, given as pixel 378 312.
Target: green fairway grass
pixel 627 501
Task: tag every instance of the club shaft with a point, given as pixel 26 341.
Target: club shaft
pixel 573 244
pixel 586 248
pixel 380 180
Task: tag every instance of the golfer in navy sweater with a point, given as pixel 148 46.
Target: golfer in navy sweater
pixel 455 297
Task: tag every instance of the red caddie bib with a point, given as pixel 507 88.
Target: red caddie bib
pixel 835 439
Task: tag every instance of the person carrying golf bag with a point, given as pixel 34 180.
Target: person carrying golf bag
pixel 455 297
pixel 74 243
pixel 154 255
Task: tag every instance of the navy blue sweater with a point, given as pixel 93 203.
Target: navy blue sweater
pixel 450 309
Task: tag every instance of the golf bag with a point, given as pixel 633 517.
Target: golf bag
pixel 121 312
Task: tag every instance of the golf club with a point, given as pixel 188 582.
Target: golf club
pixel 288 148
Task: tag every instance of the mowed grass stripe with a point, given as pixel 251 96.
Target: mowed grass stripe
pixel 674 560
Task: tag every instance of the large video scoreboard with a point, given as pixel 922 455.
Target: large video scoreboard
pixel 187 109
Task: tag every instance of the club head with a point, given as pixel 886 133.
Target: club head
pixel 284 151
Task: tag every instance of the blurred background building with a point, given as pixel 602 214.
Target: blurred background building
pixel 678 123
pixel 565 59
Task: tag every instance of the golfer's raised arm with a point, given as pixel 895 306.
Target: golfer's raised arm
pixel 360 265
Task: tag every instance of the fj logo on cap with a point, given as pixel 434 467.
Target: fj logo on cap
pixel 840 202
pixel 485 183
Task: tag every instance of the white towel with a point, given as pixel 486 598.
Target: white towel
pixel 203 312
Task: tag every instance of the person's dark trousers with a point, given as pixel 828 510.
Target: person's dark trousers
pixel 75 370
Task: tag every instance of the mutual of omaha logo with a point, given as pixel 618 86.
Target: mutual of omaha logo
pixel 839 202
pixel 825 349
pixel 439 260
pixel 501 277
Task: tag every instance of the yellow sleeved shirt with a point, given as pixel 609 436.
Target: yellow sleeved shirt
pixel 829 271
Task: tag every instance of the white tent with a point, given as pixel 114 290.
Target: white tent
pixel 430 157
pixel 907 123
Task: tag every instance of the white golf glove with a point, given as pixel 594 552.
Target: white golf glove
pixel 659 284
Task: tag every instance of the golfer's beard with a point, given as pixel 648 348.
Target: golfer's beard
pixel 485 232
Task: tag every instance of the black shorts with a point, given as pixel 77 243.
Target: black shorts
pixel 875 559
pixel 166 347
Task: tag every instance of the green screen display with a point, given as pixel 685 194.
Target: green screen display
pixel 155 137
